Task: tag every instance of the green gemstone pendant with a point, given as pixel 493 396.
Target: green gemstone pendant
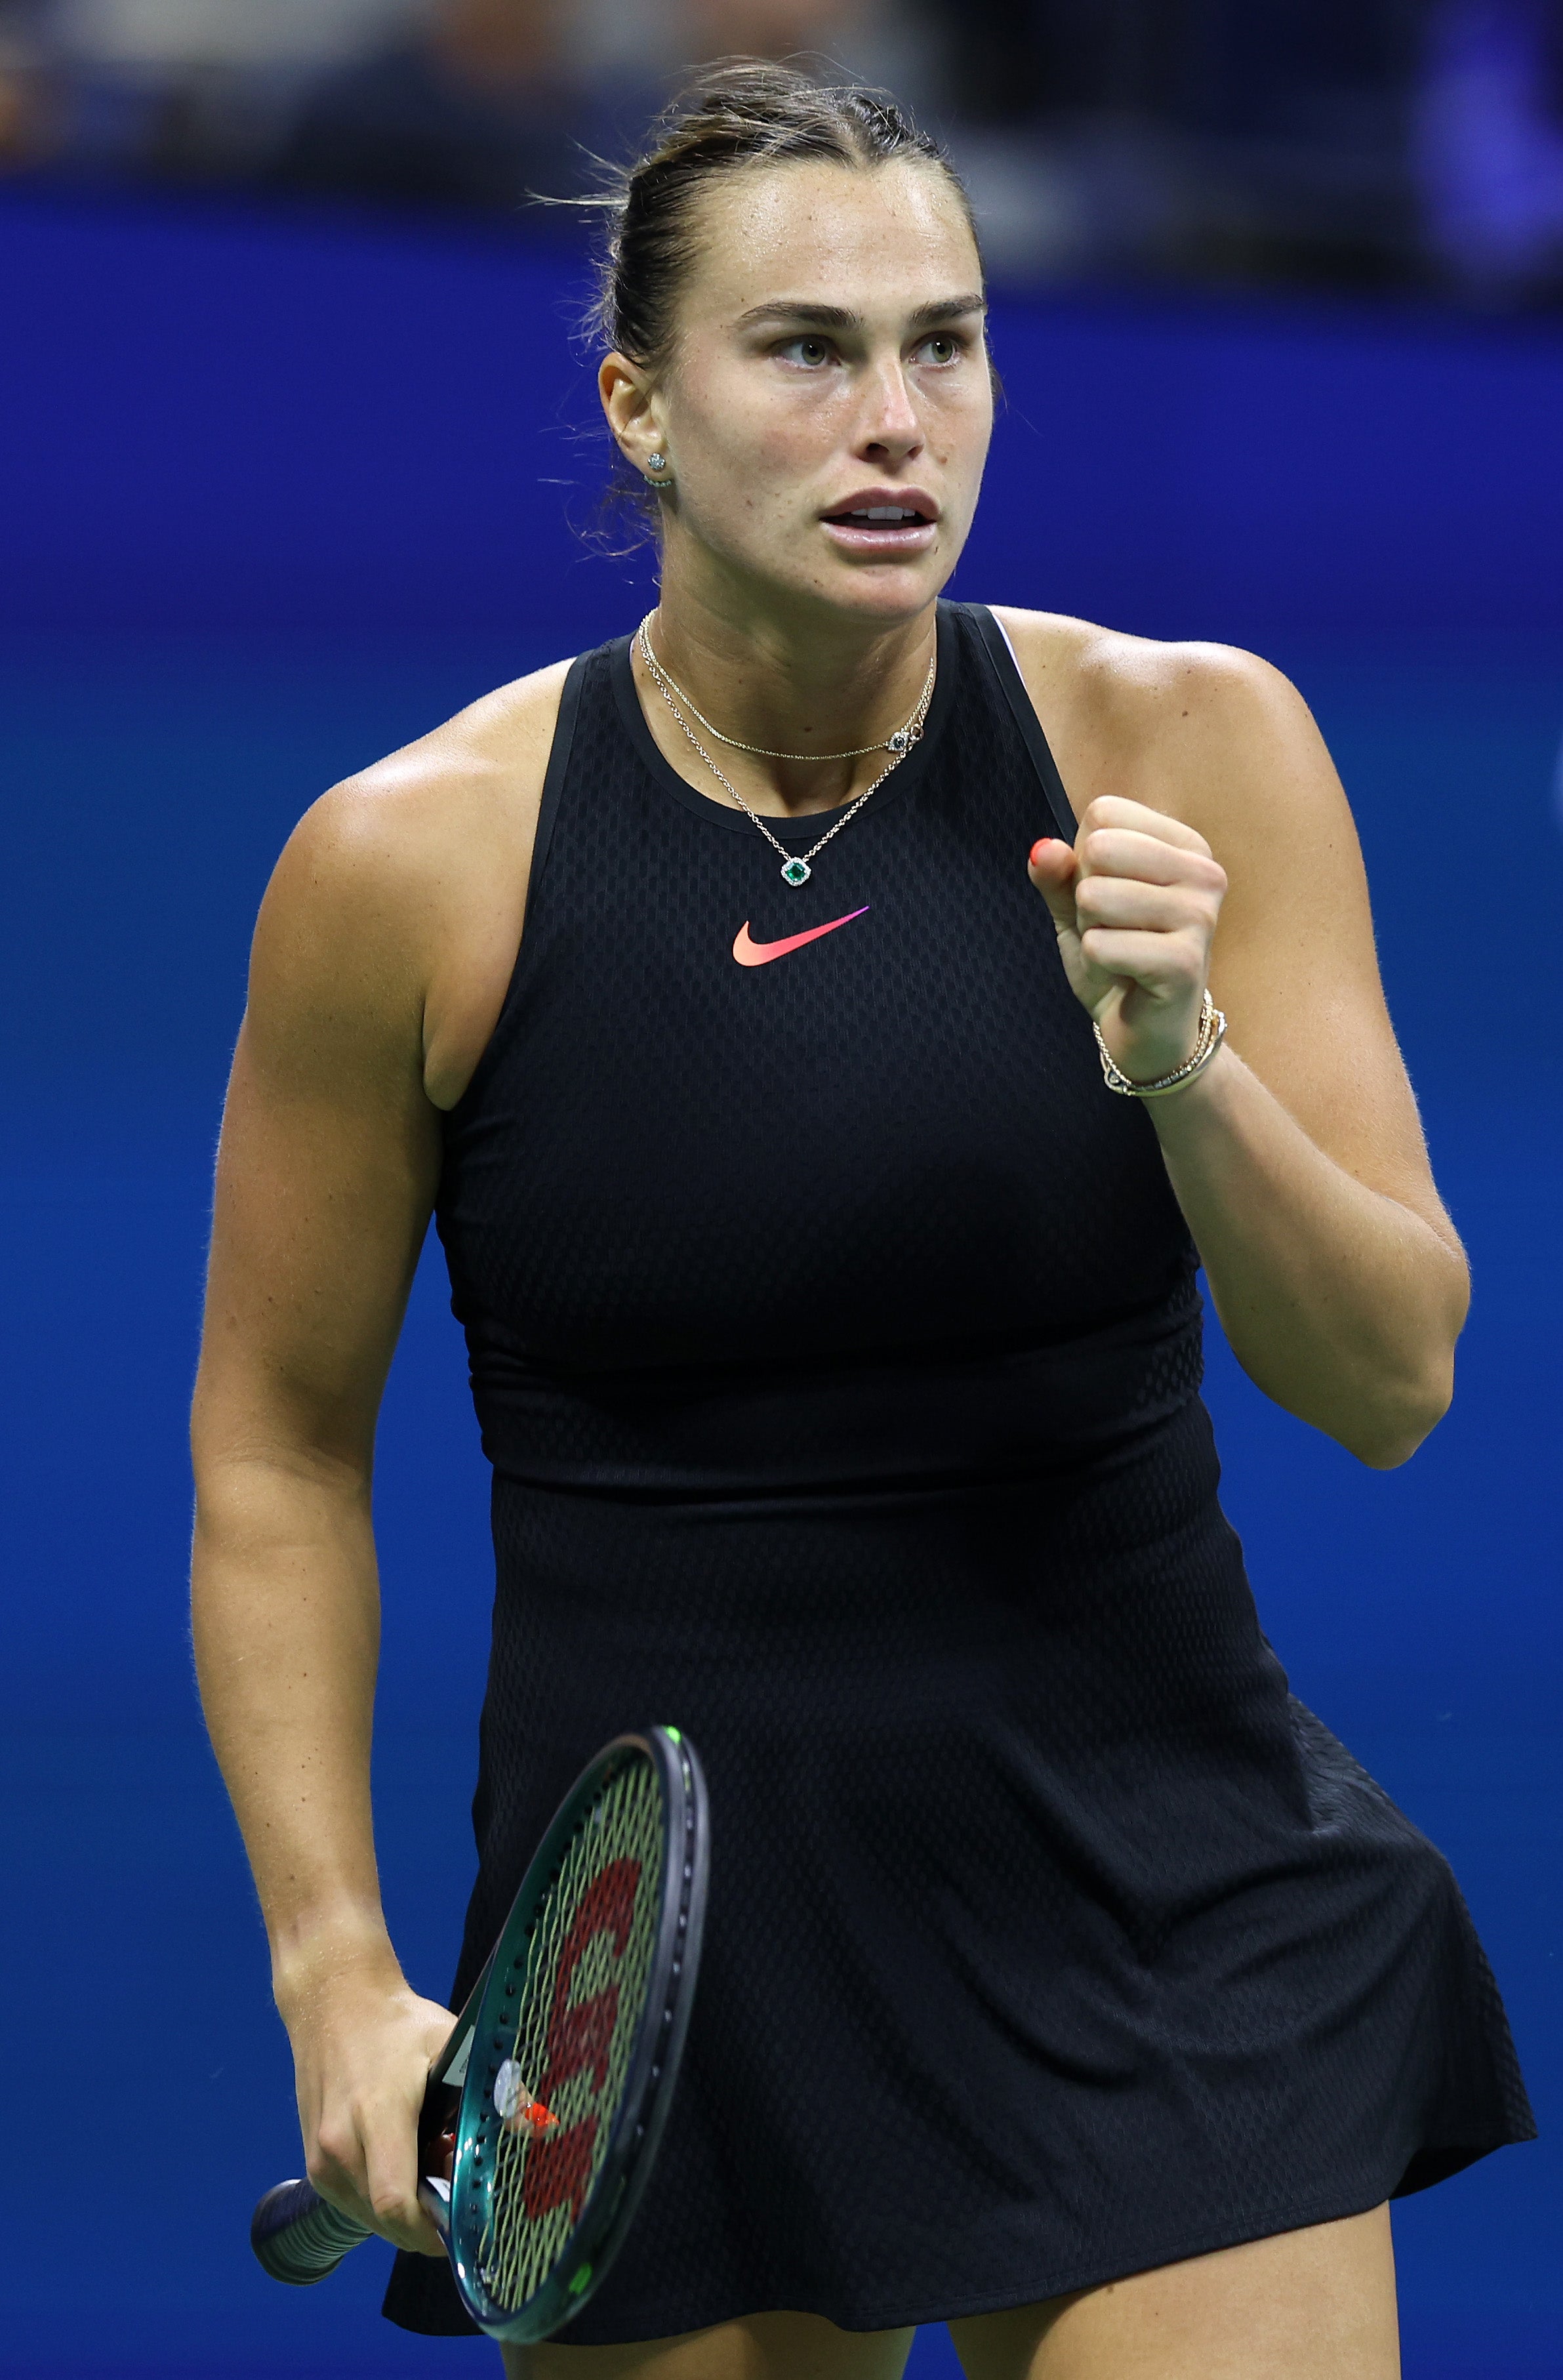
pixel 796 871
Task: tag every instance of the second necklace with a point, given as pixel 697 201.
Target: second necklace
pixel 795 867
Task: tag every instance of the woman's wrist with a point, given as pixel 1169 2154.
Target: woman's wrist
pixel 1209 1035
pixel 1186 1115
pixel 322 1949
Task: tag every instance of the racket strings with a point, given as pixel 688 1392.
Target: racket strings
pixel 576 2019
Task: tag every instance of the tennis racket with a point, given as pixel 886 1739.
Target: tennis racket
pixel 545 2108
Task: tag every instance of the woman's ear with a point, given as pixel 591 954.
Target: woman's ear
pixel 631 411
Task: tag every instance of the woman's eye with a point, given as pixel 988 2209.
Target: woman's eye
pixel 810 351
pixel 942 348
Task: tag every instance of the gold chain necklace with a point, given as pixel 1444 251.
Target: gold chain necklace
pixel 795 869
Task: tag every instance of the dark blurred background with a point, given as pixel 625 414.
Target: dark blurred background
pixel 297 449
pixel 1411 145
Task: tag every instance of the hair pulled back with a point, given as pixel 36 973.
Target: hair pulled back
pixel 738 113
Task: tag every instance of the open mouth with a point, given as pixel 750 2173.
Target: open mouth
pixel 880 518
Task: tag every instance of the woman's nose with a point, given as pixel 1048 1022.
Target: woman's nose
pixel 892 426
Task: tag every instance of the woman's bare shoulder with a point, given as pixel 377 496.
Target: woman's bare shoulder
pixel 400 892
pixel 1201 729
pixel 1137 680
pixel 480 772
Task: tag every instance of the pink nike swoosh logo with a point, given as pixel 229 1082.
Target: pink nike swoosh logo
pixel 752 953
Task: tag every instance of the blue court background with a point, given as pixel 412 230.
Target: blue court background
pixel 278 492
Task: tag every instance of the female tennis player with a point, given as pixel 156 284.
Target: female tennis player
pixel 829 1026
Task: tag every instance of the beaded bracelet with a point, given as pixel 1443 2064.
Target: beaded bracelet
pixel 1212 1033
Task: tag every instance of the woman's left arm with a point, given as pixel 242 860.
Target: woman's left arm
pixel 1296 1154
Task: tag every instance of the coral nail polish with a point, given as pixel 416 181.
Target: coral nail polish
pixel 1041 844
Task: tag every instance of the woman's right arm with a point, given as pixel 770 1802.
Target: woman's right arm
pixel 326 1178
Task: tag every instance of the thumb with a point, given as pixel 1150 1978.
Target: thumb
pixel 1053 868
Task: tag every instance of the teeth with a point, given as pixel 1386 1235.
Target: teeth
pixel 897 515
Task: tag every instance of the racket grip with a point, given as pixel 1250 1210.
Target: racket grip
pixel 298 2236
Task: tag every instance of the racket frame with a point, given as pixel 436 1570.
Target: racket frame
pixel 460 2084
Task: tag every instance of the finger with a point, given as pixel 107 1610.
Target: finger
pixel 1053 868
pixel 1168 966
pixel 1123 851
pixel 390 2158
pixel 1114 810
pixel 365 2162
pixel 339 2178
pixel 1152 908
pixel 405 2224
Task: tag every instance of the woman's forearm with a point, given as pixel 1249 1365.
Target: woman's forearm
pixel 286 1613
pixel 1339 1302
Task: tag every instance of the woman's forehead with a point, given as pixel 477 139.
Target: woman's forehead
pixel 885 236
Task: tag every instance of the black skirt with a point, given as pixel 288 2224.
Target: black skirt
pixel 1049 1937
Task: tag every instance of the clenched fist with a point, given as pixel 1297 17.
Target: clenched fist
pixel 1134 905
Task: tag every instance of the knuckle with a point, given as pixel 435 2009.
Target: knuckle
pixel 394 2208
pixel 331 2147
pixel 327 2174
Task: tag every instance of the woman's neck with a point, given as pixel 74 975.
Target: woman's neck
pixel 801 684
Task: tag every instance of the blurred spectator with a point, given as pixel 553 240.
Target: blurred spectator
pixel 490 99
pixel 769 29
pixel 1295 113
pixel 1012 60
pixel 660 40
pixel 1489 140
pixel 482 104
pixel 1057 115
pixel 889 43
pixel 29 99
pixel 245 32
pixel 204 87
pixel 1259 139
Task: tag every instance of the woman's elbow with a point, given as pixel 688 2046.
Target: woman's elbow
pixel 1405 1412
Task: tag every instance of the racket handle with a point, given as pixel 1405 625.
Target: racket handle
pixel 298 2236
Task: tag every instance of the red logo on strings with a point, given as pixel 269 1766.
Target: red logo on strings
pixel 559 2168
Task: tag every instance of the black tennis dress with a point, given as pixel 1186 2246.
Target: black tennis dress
pixel 836 1343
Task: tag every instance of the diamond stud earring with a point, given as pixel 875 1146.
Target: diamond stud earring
pixel 656 462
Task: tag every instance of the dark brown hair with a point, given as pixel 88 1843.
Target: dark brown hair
pixel 738 113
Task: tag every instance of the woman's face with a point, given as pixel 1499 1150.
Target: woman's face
pixel 829 359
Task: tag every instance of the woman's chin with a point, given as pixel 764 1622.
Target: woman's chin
pixel 872 588
pixel 893 587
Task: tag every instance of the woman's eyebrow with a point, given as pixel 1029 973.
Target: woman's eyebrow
pixel 841 317
pixel 947 310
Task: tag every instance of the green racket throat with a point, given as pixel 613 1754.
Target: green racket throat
pixel 544 2110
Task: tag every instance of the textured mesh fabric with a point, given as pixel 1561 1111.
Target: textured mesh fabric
pixel 835 1341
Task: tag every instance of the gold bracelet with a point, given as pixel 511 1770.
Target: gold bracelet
pixel 1212 1033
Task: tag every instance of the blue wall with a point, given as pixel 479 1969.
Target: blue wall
pixel 274 495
